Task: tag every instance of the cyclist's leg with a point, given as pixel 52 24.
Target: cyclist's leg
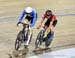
pixel 50 37
pixel 51 34
pixel 29 37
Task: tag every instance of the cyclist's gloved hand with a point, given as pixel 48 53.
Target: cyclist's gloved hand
pixel 18 23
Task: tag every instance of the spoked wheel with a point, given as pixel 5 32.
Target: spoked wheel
pixel 39 39
pixel 19 40
pixel 37 43
pixel 17 44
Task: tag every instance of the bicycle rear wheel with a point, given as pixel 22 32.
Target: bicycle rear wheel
pixel 50 37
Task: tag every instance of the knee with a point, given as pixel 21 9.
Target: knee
pixel 50 35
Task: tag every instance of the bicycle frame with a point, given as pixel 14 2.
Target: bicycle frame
pixel 45 31
pixel 42 37
pixel 25 30
pixel 22 36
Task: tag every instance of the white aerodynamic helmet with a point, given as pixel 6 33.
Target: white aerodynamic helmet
pixel 28 9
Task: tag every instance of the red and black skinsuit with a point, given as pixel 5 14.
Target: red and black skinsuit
pixel 50 36
pixel 52 18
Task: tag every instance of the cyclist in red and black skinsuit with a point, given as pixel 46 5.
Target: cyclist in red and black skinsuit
pixel 49 24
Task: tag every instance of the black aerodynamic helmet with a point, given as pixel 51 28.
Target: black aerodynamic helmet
pixel 48 12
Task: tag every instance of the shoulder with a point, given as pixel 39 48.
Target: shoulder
pixel 24 11
pixel 34 11
pixel 53 15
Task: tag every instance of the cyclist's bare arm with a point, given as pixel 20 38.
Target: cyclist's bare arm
pixel 40 25
pixel 50 26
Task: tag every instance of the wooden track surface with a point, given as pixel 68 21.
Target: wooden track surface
pixel 10 10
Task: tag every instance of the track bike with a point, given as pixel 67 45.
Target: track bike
pixel 22 36
pixel 43 37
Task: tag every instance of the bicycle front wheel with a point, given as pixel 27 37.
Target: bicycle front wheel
pixel 18 40
pixel 17 44
pixel 39 39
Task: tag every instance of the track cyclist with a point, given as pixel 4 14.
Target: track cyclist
pixel 29 15
pixel 49 25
